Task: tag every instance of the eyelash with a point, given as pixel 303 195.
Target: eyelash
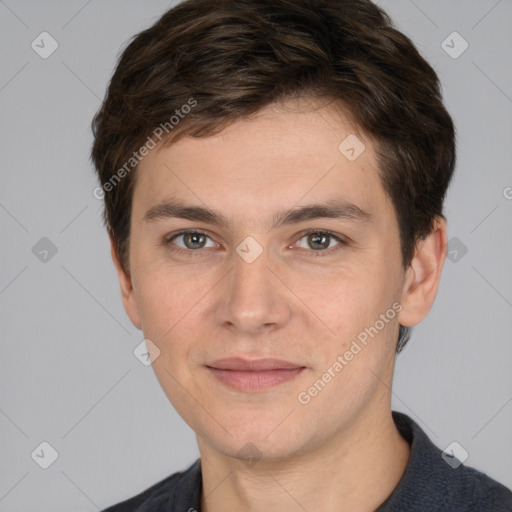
pixel 197 252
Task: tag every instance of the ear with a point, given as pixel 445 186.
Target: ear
pixel 127 292
pixel 423 275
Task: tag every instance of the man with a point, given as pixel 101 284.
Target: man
pixel 274 175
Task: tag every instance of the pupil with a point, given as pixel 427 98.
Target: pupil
pixel 317 239
pixel 194 240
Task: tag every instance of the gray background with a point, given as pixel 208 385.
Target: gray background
pixel 68 375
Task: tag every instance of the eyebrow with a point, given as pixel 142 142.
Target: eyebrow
pixel 332 209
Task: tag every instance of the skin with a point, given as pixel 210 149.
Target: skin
pixel 341 451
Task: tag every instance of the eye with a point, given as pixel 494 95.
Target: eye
pixel 319 242
pixel 316 242
pixel 190 241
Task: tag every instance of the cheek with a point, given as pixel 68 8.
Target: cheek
pixel 175 307
pixel 361 308
pixel 165 297
pixel 352 361
pixel 346 302
pixel 166 305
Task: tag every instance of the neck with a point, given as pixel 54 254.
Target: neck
pixel 356 471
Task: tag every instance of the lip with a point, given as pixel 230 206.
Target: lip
pixel 254 365
pixel 253 375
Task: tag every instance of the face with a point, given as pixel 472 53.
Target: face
pixel 270 275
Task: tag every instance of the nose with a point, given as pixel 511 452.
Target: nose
pixel 253 298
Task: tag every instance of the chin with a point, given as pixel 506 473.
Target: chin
pixel 254 441
pixel 251 452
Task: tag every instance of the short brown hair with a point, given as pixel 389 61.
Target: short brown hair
pixel 233 57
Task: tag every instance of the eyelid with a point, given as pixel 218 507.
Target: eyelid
pixel 343 241
pixel 167 240
pixel 337 236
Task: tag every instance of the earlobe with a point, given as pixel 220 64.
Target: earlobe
pixel 127 292
pixel 423 275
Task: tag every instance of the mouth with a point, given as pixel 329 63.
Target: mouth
pixel 254 375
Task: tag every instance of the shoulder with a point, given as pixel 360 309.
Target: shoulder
pixel 481 491
pixel 175 488
pixel 435 482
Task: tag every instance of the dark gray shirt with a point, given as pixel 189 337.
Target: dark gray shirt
pixel 429 484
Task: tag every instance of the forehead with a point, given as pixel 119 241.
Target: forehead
pixel 285 155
